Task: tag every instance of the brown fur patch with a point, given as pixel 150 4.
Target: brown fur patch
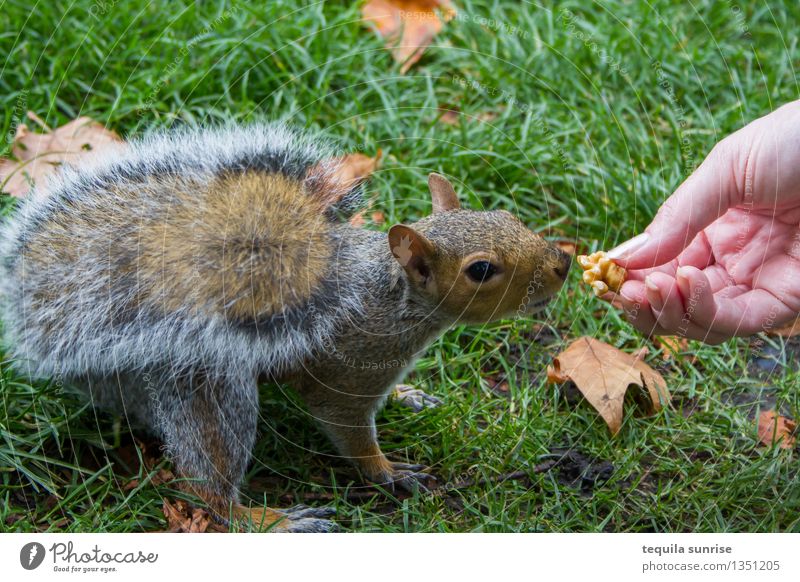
pixel 249 246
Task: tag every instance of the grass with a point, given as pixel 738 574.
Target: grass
pixel 598 113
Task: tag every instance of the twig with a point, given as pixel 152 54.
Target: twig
pixel 372 492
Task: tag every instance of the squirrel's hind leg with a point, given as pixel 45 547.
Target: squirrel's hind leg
pixel 209 428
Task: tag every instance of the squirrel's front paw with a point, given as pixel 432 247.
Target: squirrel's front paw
pixel 405 476
pixel 414 398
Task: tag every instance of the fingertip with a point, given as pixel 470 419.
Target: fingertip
pixel 653 292
pixel 622 253
pixel 633 292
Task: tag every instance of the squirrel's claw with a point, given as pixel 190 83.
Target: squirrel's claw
pixel 414 398
pixel 409 477
pixel 304 519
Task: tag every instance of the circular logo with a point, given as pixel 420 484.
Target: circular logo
pixel 31 555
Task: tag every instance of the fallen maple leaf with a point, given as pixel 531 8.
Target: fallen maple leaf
pixel 774 428
pixel 671 345
pixel 408 26
pixel 336 177
pixel 37 155
pixel 567 246
pixel 358 219
pixel 351 169
pixel 603 374
pixel 183 518
pixel 449 115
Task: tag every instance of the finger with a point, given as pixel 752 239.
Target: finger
pixel 697 254
pixel 705 196
pixel 637 309
pixel 699 302
pixel 665 299
pixel 750 313
pixel 633 301
pixel 639 313
pixel 730 314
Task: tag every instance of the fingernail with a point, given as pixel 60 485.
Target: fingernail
pixel 627 295
pixel 653 294
pixel 627 248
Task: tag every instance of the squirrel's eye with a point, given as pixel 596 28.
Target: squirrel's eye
pixel 479 271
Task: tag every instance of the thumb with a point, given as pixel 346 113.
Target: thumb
pixel 705 196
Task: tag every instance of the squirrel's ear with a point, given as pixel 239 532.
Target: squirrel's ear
pixel 413 251
pixel 442 193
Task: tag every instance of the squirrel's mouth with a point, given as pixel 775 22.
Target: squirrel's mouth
pixel 536 306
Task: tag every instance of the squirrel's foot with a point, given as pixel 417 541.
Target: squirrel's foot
pixel 414 398
pixel 297 519
pixel 406 477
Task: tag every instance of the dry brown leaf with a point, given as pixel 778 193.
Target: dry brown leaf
pixel 183 518
pixel 672 345
pixel 789 330
pixel 351 169
pixel 418 21
pixel 358 220
pixel 449 115
pixel 37 155
pixel 567 246
pixel 603 374
pixel 498 385
pixel 487 116
pixel 774 428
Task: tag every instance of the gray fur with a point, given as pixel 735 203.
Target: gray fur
pixel 192 378
pixel 93 335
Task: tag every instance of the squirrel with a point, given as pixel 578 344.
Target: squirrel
pixel 168 278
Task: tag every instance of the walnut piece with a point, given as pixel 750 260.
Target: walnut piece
pixel 601 273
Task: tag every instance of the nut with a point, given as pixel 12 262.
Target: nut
pixel 601 273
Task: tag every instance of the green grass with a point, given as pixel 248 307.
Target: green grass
pixel 600 114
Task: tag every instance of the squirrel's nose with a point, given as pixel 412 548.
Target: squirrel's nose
pixel 564 262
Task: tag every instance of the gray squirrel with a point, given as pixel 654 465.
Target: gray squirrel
pixel 167 277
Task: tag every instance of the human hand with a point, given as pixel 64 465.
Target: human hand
pixel 722 256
